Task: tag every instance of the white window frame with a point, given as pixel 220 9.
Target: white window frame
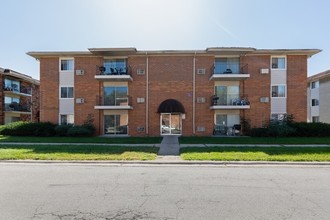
pixel 66 58
pixel 60 121
pixel 271 91
pixel 317 101
pixel 285 62
pixel 59 95
pixel 315 83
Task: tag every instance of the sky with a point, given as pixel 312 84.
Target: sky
pixel 76 25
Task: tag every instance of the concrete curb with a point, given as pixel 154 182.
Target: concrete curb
pixel 169 162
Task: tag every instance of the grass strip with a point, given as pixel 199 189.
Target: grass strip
pixel 256 153
pixel 70 152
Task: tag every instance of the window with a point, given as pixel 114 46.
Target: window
pixel 115 96
pixel 66 92
pixel 315 102
pixel 227 120
pixel 66 119
pixel 115 124
pixel 315 84
pixel 315 119
pixel 227 94
pixel 66 64
pixel 11 103
pixel 226 65
pixel 277 117
pixel 12 85
pixel 278 91
pixel 278 62
pixel 115 66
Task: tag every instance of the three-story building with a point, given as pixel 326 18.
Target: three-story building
pixel 188 92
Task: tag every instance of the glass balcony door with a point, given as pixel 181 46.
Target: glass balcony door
pixel 227 65
pixel 115 124
pixel 227 94
pixel 171 123
pixel 115 96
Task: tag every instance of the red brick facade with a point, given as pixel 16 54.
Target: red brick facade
pixel 27 97
pixel 173 75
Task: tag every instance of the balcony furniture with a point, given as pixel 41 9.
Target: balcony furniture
pixel 215 100
pixel 102 70
pixel 234 130
pixel 219 129
pixel 228 71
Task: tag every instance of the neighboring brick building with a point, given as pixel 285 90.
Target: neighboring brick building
pixel 149 93
pixel 19 97
pixel 318 88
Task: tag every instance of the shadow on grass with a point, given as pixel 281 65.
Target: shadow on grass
pixel 47 149
pixel 109 140
pixel 266 150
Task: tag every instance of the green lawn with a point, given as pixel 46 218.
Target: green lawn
pixel 109 140
pixel 157 140
pixel 65 152
pixel 256 153
pixel 254 140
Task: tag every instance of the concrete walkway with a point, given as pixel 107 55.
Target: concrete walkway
pixel 170 145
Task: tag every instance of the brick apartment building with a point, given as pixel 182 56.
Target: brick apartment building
pixel 19 97
pixel 188 92
pixel 318 93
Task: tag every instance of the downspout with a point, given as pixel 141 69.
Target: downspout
pixel 194 92
pixel 147 94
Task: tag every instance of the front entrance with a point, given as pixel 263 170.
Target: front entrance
pixel 171 112
pixel 170 123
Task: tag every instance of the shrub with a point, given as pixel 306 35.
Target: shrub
pixel 318 129
pixel 21 128
pixel 79 131
pixel 258 132
pixel 62 130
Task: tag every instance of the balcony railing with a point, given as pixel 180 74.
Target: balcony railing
pixel 22 89
pixel 230 74
pixel 229 102
pixel 115 130
pixel 113 102
pixel 16 107
pixel 115 74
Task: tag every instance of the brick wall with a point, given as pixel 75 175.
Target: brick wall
pixel 49 93
pixel 86 87
pixel 297 87
pixel 137 89
pixel 170 77
pixel 255 87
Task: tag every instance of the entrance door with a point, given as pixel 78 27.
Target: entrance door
pixel 170 123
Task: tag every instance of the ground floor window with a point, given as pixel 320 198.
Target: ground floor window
pixel 171 123
pixel 315 119
pixel 10 119
pixel 66 119
pixel 116 124
pixel 227 120
pixel 277 117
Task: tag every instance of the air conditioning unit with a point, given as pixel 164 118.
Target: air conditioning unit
pixel 200 100
pixel 140 100
pixel 140 71
pixel 264 71
pixel 200 71
pixel 80 100
pixel 80 72
pixel 200 129
pixel 264 99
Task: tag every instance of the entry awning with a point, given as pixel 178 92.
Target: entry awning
pixel 171 106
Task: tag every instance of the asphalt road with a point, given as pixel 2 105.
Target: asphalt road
pixel 73 191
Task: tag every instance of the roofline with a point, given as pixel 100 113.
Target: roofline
pixel 319 76
pixel 211 51
pixel 20 76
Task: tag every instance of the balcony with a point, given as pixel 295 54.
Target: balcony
pixel 18 108
pixel 229 74
pixel 113 103
pixel 114 74
pixel 22 91
pixel 229 102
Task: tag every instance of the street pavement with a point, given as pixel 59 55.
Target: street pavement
pixel 142 191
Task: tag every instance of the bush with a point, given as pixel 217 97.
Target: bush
pixel 79 131
pixel 62 130
pixel 304 129
pixel 20 128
